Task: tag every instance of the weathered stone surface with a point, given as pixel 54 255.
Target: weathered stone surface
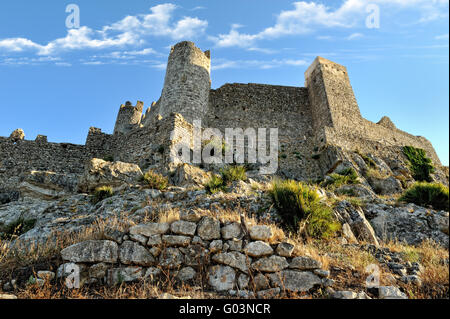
pixel 91 251
pixel 270 264
pixel 174 240
pixel 101 173
pixel 190 216
pixel 357 221
pixel 390 292
pixel 47 185
pixel 196 255
pixel 233 259
pixel 98 270
pixel 263 233
pixel 258 249
pixel 234 244
pixel 386 186
pixel 154 240
pixel 209 228
pixel 221 278
pixel 187 175
pixel 139 238
pixel 128 274
pixel 231 231
pixel 261 282
pixel 305 263
pixel 322 273
pixel 411 224
pixel 152 274
pixel 150 229
pixel 133 253
pixel 243 281
pixel 344 294
pixel 295 281
pixel 183 227
pixel 269 293
pixel 215 246
pixel 171 258
pixel 285 249
pixel 186 274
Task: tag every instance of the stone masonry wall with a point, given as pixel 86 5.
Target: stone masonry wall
pixel 129 117
pixel 269 106
pixel 201 250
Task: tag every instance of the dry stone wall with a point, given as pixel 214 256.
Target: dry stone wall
pixel 197 249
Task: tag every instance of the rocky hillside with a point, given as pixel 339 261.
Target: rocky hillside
pixel 364 231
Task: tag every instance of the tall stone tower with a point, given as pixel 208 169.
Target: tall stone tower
pixel 187 83
pixel 129 117
pixel 331 95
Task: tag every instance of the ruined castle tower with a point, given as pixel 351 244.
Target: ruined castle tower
pixel 331 95
pixel 129 117
pixel 187 83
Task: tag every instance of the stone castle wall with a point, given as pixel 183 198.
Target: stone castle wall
pixel 129 117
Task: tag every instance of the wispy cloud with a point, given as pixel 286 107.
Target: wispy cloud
pixel 130 31
pixel 220 64
pixel 442 37
pixel 307 17
pixel 355 36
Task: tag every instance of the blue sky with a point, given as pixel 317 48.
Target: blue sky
pixel 58 82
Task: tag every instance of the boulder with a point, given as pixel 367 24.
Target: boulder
pixel 91 251
pixel 260 232
pixel 183 227
pixel 171 258
pixel 285 249
pixel 295 281
pixel 150 229
pixel 270 264
pixel 209 228
pixel 188 175
pixel 390 292
pixel 99 173
pixel 221 278
pixel 355 218
pixel 133 253
pixel 305 263
pixel 233 259
pixel 128 274
pixel 258 249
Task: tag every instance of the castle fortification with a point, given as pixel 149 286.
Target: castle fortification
pixel 317 123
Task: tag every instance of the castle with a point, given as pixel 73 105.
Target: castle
pixel 317 123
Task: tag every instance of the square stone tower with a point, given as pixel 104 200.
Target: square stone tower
pixel 331 95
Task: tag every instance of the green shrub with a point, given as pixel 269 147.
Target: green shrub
pixel 420 165
pixel 18 227
pixel 345 177
pixel 155 180
pixel 102 193
pixel 215 184
pixel 233 173
pixel 321 223
pixel 297 202
pixel 427 194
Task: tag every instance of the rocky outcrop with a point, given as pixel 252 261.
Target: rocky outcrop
pixel 115 174
pixel 48 185
pixel 17 135
pixel 411 224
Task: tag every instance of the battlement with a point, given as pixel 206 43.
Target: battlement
pixel 129 117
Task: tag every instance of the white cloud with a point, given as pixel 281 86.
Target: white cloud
pixel 442 37
pixel 307 17
pixel 220 64
pixel 354 36
pixel 130 31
